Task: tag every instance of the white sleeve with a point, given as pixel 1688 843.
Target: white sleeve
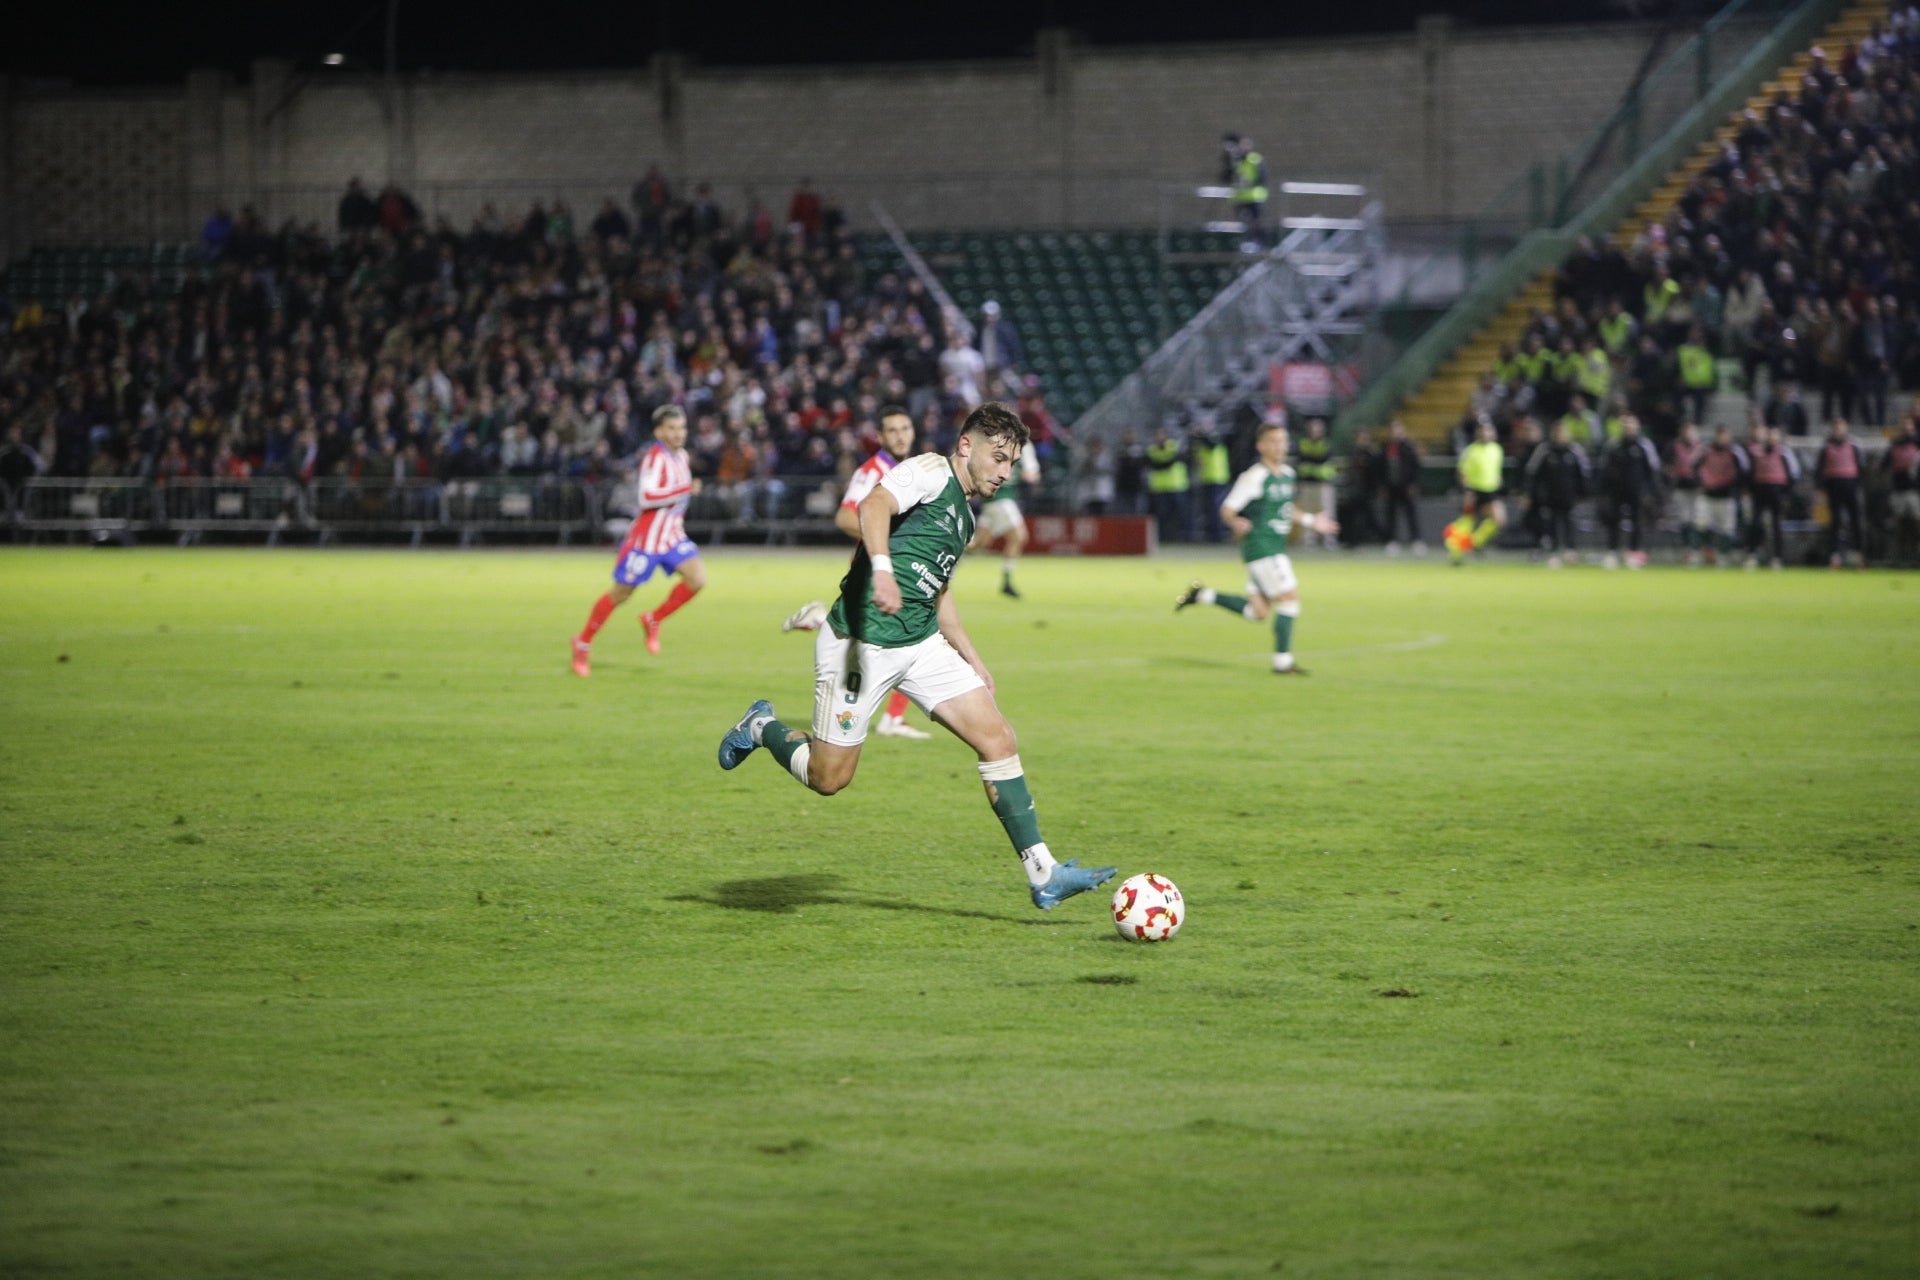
pixel 917 480
pixel 858 487
pixel 1246 488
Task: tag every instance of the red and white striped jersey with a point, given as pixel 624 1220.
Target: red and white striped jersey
pixel 867 476
pixel 666 484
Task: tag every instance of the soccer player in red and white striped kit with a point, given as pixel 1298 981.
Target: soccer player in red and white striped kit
pixel 896 442
pixel 658 538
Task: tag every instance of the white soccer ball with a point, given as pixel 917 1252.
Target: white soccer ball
pixel 1148 908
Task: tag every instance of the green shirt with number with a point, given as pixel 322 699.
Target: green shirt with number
pixel 929 533
pixel 1266 498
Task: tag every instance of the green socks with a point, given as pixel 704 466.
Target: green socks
pixel 1282 633
pixel 1231 603
pixel 783 743
pixel 1013 805
pixel 1012 802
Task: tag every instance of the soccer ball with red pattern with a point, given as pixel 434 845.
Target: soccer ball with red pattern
pixel 1147 908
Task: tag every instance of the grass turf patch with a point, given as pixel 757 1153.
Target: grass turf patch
pixel 344 930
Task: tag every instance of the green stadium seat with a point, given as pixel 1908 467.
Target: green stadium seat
pixel 1089 303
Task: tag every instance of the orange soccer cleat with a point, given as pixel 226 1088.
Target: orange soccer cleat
pixel 580 651
pixel 652 625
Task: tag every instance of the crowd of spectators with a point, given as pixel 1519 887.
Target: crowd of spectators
pixel 523 346
pixel 1795 253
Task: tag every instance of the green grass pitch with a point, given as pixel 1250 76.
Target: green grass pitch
pixel 1558 925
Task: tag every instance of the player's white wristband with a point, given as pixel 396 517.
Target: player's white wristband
pixel 883 564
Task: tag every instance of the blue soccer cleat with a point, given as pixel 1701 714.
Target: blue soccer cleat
pixel 739 743
pixel 1069 878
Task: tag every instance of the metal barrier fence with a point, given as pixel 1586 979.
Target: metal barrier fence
pixel 521 508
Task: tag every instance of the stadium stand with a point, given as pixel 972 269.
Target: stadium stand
pixel 1788 154
pixel 52 274
pixel 1090 304
pixel 408 367
pixel 393 376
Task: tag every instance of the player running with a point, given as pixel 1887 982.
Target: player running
pixel 1001 521
pixel 896 438
pixel 1481 470
pixel 1259 510
pixel 895 625
pixel 657 540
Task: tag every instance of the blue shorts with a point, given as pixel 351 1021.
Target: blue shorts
pixel 636 566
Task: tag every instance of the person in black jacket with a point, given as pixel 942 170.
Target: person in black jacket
pixel 1630 479
pixel 1398 462
pixel 1558 475
pixel 19 461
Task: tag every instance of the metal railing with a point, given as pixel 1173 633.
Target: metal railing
pixel 925 274
pixel 1548 193
pixel 85 506
pixel 554 508
pixel 1742 54
pixel 1304 299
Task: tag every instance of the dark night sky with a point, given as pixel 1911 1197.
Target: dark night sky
pixel 81 43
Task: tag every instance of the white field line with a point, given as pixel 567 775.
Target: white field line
pixel 1430 640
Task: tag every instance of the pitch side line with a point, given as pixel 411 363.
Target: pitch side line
pixel 1431 640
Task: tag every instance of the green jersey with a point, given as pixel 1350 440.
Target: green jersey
pixel 1266 498
pixel 928 535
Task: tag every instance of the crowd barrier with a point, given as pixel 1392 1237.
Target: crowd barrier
pixel 469 511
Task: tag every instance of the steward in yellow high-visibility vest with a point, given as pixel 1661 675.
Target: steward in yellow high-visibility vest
pixel 1211 461
pixel 1506 366
pixel 1166 469
pixel 1167 485
pixel 1212 473
pixel 1617 330
pixel 1250 178
pixel 1596 373
pixel 1699 378
pixel 1533 362
pixel 1249 170
pixel 1660 294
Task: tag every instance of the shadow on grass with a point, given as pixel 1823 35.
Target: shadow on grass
pixel 784 895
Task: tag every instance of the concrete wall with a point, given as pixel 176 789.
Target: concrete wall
pixel 1435 119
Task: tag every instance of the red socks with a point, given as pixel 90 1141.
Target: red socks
pixel 897 705
pixel 680 594
pixel 602 610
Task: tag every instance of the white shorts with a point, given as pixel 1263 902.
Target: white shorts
pixel 998 519
pixel 1715 515
pixel 1271 577
pixel 929 673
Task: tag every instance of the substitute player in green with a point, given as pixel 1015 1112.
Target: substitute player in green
pixel 1001 521
pixel 1259 510
pixel 895 625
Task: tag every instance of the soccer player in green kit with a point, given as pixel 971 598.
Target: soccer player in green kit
pixel 895 625
pixel 1259 510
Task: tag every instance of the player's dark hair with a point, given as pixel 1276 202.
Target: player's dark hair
pixel 992 421
pixel 666 411
pixel 892 411
pixel 1269 426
